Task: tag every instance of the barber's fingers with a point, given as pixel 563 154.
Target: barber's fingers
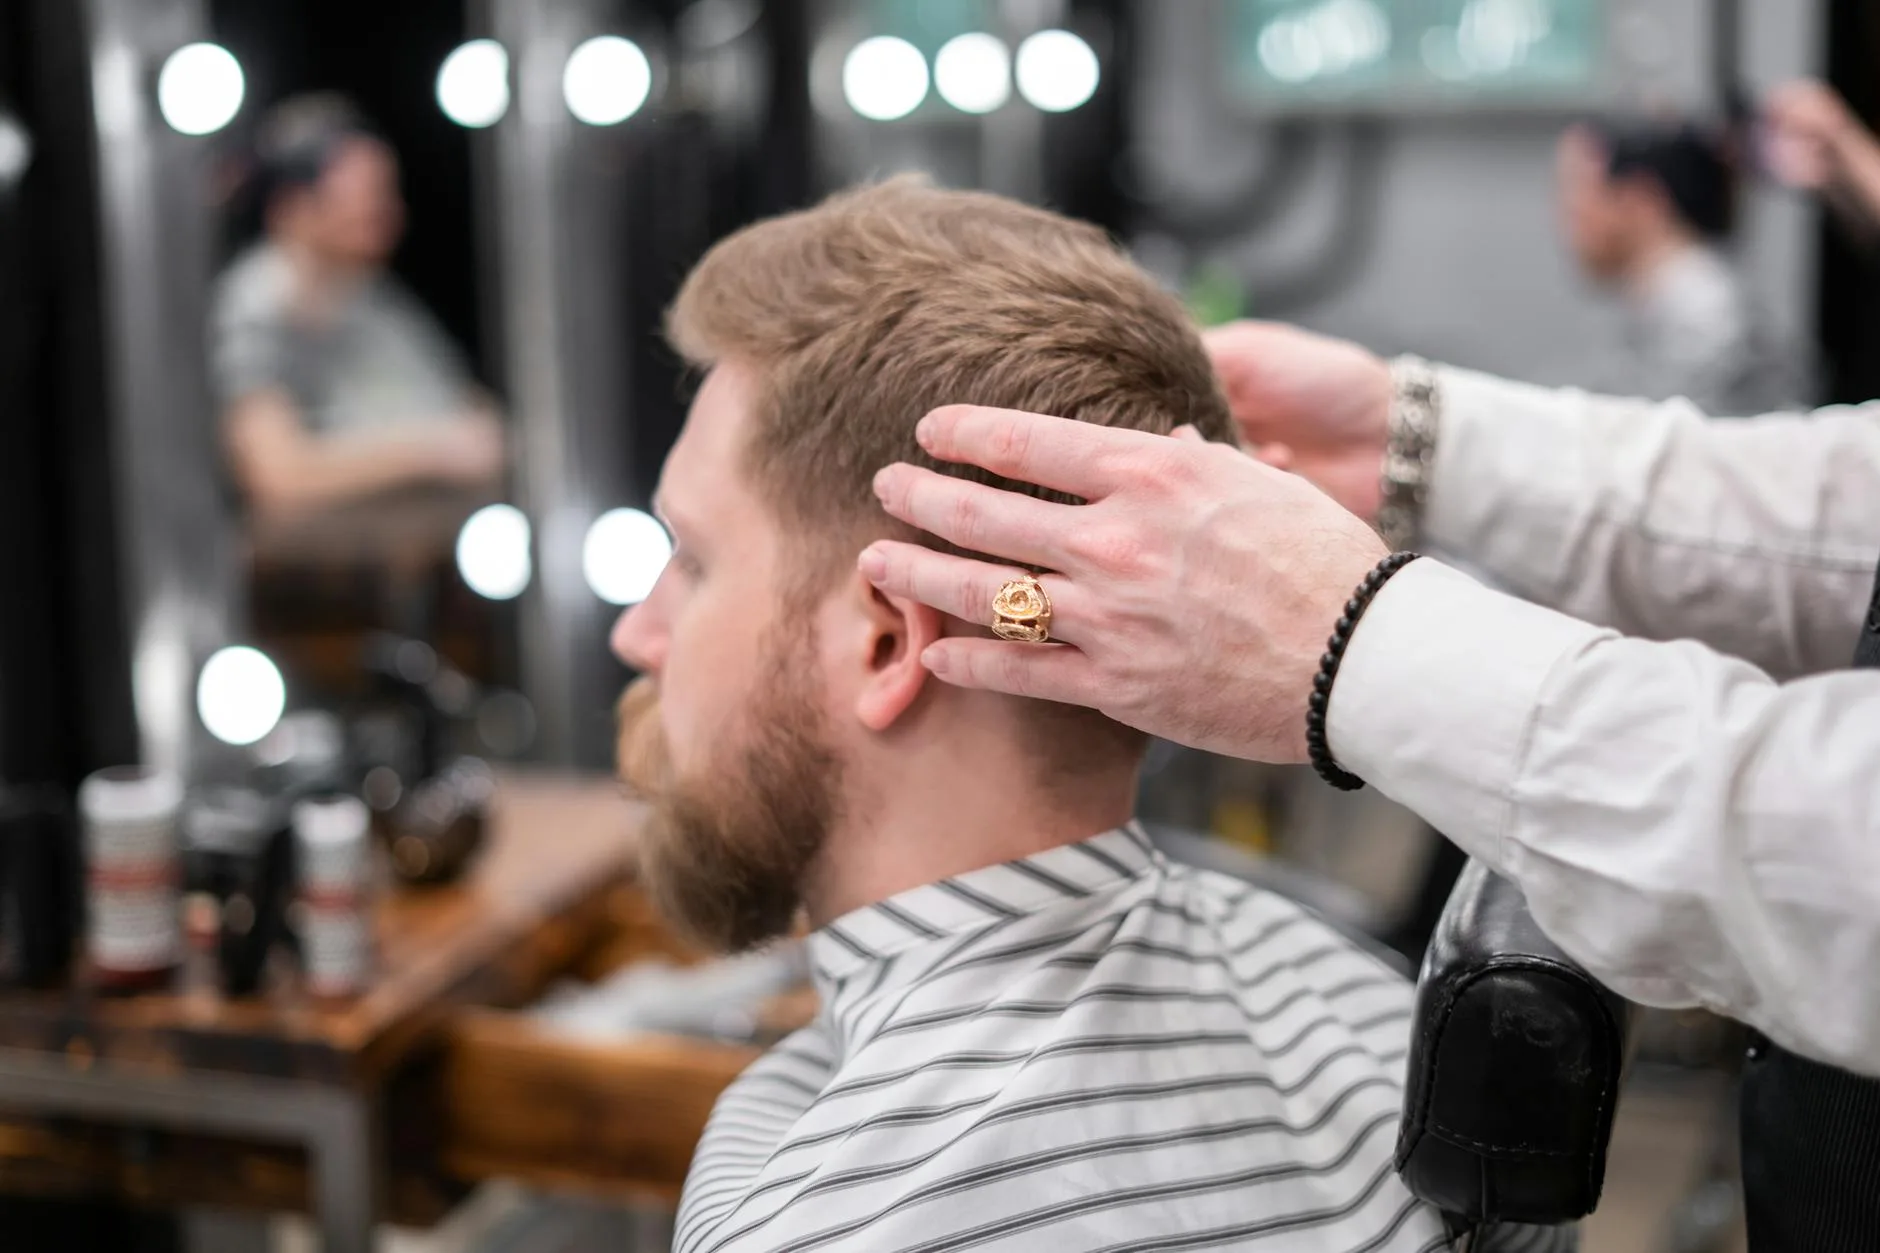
pixel 1190 434
pixel 964 589
pixel 1053 672
pixel 978 518
pixel 1080 458
pixel 961 587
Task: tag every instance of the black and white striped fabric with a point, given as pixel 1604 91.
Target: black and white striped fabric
pixel 1091 1049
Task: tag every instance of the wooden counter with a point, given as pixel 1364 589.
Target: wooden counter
pixel 191 1100
pixel 530 905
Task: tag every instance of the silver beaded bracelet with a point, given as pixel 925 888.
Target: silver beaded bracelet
pixel 1409 450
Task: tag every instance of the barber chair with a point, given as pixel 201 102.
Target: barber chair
pixel 1515 1061
pixel 1516 1052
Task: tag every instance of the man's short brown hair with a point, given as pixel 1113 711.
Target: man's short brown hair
pixel 864 313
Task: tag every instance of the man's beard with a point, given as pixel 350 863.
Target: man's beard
pixel 724 855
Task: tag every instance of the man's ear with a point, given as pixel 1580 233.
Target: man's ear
pixel 896 630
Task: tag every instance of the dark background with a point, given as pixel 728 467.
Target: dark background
pixel 64 675
pixel 1850 262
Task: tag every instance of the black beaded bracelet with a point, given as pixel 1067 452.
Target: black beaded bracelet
pixel 1316 747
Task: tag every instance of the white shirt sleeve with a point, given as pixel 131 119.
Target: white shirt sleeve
pixel 1690 830
pixel 1758 537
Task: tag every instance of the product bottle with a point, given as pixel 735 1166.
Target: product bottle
pixel 133 926
pixel 332 836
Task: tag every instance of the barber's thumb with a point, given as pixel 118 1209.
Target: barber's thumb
pixel 1190 433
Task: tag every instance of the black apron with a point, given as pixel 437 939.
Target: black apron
pixel 1811 1133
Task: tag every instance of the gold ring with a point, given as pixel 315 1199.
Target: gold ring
pixel 1021 612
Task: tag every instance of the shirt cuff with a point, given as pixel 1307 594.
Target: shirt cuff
pixel 1436 696
pixel 1504 483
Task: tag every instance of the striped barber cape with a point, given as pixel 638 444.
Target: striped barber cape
pixel 1090 1049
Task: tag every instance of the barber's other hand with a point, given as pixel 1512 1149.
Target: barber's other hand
pixel 1193 595
pixel 1812 133
pixel 1308 403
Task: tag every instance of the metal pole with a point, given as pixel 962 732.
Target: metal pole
pixel 178 570
pixel 565 349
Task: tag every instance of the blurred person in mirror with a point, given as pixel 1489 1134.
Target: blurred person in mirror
pixel 336 384
pixel 1035 1031
pixel 1649 207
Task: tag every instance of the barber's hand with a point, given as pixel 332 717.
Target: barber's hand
pixel 1310 404
pixel 1193 594
pixel 1812 132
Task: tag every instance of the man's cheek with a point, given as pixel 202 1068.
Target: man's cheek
pixel 684 751
pixel 700 695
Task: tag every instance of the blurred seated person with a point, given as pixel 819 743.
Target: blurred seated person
pixel 1035 1032
pixel 336 384
pixel 1650 207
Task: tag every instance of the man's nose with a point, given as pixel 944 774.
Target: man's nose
pixel 638 641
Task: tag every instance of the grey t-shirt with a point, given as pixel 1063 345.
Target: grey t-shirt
pixel 380 360
pixel 1692 330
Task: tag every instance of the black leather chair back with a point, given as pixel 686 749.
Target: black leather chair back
pixel 1515 1065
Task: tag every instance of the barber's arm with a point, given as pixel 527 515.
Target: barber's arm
pixel 1758 537
pixel 1688 828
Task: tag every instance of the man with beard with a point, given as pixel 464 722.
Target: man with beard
pixel 1035 1032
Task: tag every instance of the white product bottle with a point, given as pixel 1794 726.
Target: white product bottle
pixel 333 839
pixel 133 927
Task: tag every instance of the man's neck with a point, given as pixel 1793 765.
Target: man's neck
pixel 925 825
pixel 321 284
